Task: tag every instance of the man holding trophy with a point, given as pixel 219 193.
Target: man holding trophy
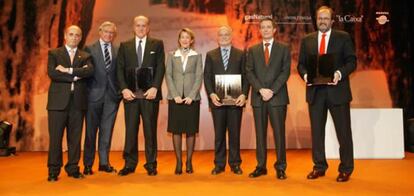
pixel 227 88
pixel 140 71
pixel 329 91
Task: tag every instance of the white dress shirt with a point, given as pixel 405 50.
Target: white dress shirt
pixel 144 41
pixel 72 86
pixel 103 48
pixel 184 60
pixel 269 47
pixel 327 36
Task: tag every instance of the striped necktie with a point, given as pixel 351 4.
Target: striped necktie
pixel 107 57
pixel 225 57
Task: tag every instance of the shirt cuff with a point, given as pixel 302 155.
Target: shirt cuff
pixel 70 70
pixel 340 75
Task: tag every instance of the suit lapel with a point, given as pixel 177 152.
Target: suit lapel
pixel 147 51
pixel 113 59
pixel 231 59
pixel 314 42
pixel 330 42
pixel 76 59
pixel 261 53
pixel 98 49
pixel 219 59
pixel 272 52
pixel 190 63
pixel 132 45
pixel 65 55
pixel 178 62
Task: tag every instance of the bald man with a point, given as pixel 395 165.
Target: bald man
pixel 225 59
pixel 146 54
pixel 67 68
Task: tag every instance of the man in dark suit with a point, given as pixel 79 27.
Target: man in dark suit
pixel 103 100
pixel 67 68
pixel 226 59
pixel 334 96
pixel 268 69
pixel 141 52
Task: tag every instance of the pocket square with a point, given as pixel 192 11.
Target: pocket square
pixel 152 52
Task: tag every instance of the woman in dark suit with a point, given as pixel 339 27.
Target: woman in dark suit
pixel 184 74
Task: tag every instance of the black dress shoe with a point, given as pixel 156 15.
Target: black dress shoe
pixel 88 170
pixel 76 175
pixel 343 177
pixel 258 172
pixel 315 174
pixel 217 170
pixel 107 168
pixel 178 169
pixel 281 175
pixel 189 168
pixel 125 171
pixel 237 170
pixel 52 178
pixel 152 171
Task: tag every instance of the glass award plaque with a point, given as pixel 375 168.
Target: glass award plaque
pixel 320 69
pixel 228 87
pixel 143 78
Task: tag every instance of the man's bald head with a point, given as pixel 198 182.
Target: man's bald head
pixel 73 35
pixel 141 26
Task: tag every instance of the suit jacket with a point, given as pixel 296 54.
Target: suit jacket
pixel 214 65
pixel 154 58
pixel 184 83
pixel 273 76
pixel 341 45
pixel 60 87
pixel 97 84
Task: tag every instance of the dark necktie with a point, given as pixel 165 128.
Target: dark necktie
pixel 322 46
pixel 107 57
pixel 139 53
pixel 225 58
pixel 266 53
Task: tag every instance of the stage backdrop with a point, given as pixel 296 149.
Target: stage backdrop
pixel 28 29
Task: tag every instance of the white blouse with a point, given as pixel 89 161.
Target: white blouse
pixel 178 53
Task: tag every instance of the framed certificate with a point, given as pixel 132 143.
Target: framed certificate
pixel 320 69
pixel 228 87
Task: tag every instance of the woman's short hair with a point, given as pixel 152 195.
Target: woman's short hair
pixel 189 32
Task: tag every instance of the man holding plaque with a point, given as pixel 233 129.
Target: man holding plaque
pixel 334 96
pixel 140 70
pixel 223 61
pixel 268 69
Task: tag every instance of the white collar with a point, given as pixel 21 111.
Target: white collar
pixel 69 48
pixel 144 39
pixel 102 42
pixel 328 33
pixel 177 53
pixel 225 47
pixel 270 42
